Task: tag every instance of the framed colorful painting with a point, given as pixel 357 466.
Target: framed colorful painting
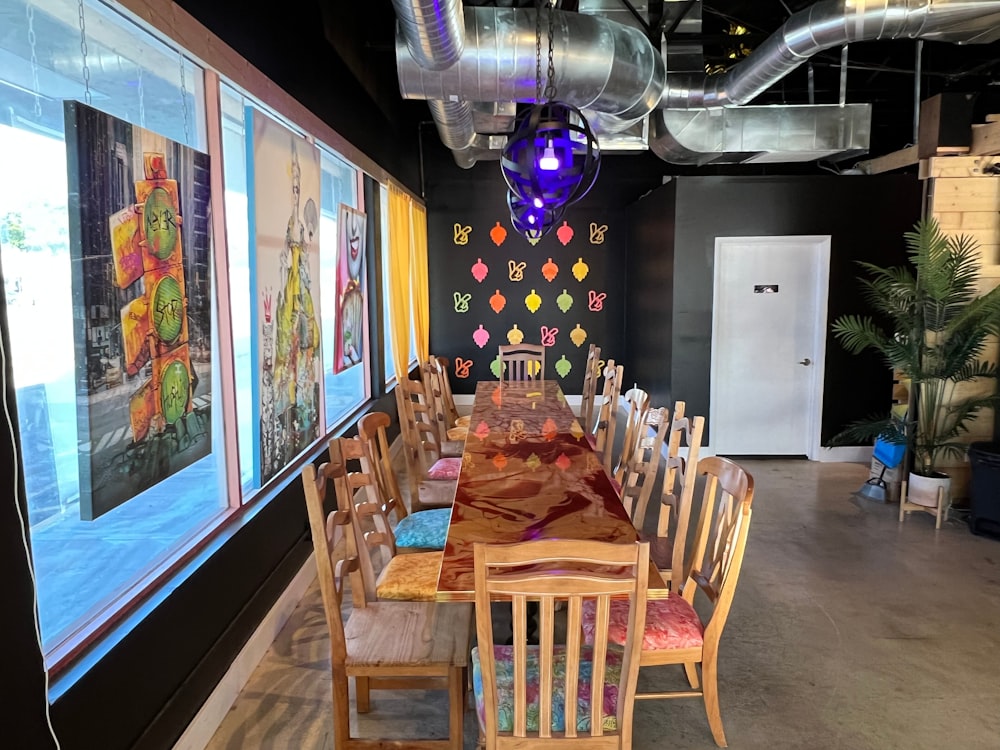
pixel 284 181
pixel 142 283
pixel 351 317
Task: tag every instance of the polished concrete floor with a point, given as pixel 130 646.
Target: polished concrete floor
pixel 849 631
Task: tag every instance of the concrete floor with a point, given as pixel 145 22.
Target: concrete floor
pixel 849 631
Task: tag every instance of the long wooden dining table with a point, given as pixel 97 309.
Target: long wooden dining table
pixel 528 472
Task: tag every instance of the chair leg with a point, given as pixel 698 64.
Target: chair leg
pixel 362 694
pixel 711 694
pixel 902 502
pixel 456 701
pixel 691 670
pixel 940 508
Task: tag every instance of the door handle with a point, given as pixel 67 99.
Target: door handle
pixel 806 362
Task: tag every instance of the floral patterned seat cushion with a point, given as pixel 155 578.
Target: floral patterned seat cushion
pixel 410 577
pixel 426 529
pixel 671 623
pixel 504 656
pixel 445 468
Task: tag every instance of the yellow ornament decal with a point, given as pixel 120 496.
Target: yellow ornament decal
pixel 533 301
pixel 580 270
pixel 578 335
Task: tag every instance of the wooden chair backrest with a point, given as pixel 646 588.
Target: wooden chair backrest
pixel 571 572
pixel 607 414
pixel 373 536
pixel 723 527
pixel 522 362
pixel 640 473
pixel 436 383
pixel 591 374
pixel 334 545
pixel 417 428
pixel 377 461
pixel 635 429
pixel 673 507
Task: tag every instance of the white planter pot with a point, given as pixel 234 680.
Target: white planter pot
pixel 922 490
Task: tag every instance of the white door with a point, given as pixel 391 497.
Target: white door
pixel 768 344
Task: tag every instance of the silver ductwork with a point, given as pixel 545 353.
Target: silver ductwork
pixel 599 64
pixel 834 23
pixel 616 75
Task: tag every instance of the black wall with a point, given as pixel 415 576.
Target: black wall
pixel 476 198
pixel 866 218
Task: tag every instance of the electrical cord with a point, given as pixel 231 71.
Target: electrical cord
pixel 24 540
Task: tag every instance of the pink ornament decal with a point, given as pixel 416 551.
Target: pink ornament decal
pixel 563 462
pixel 595 301
pixel 482 430
pixel 498 234
pixel 565 233
pixel 549 335
pixel 479 270
pixel 481 336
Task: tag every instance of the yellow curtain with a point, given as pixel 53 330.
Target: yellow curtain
pixel 399 278
pixel 418 271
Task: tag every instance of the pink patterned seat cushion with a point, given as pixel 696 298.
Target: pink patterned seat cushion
pixel 445 468
pixel 671 623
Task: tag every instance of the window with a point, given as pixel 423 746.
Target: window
pixel 87 570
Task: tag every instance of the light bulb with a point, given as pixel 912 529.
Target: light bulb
pixel 549 161
pixel 531 218
pixel 538 203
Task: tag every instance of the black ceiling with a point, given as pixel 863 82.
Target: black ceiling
pixel 337 58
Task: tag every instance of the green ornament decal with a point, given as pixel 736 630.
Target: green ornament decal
pixel 533 461
pixel 564 301
pixel 497 367
pixel 563 366
pixel 175 391
pixel 160 223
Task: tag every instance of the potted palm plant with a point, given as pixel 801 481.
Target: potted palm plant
pixel 936 328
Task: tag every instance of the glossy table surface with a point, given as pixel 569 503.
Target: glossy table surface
pixel 528 472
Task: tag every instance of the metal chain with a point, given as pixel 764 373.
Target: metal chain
pixel 32 39
pixel 142 99
pixel 550 88
pixel 83 51
pixel 538 52
pixel 184 103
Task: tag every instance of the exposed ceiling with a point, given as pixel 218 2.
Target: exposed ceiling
pixel 304 45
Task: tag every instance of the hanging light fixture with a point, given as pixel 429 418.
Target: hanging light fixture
pixel 552 158
pixel 533 218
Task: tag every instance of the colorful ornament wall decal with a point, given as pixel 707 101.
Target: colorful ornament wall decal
pixel 595 300
pixel 462 367
pixel 548 335
pixel 461 302
pixel 565 233
pixel 597 233
pixel 497 367
pixel 479 270
pixel 481 336
pixel 580 270
pixel 564 301
pixel 515 270
pixel 498 302
pixel 498 234
pixel 462 233
pixel 578 335
pixel 515 335
pixel 550 270
pixel 533 301
pixel 563 366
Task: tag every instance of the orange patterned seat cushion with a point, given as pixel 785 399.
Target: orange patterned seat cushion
pixel 671 623
pixel 410 577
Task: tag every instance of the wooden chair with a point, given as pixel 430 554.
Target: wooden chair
pixel 636 429
pixel 382 645
pixel 668 540
pixel 431 477
pixel 522 362
pixel 537 696
pixel 591 374
pixel 603 438
pixel 450 425
pixel 420 406
pixel 424 530
pixel 639 480
pixel 674 633
pixel 411 577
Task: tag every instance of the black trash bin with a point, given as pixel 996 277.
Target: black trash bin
pixel 984 510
